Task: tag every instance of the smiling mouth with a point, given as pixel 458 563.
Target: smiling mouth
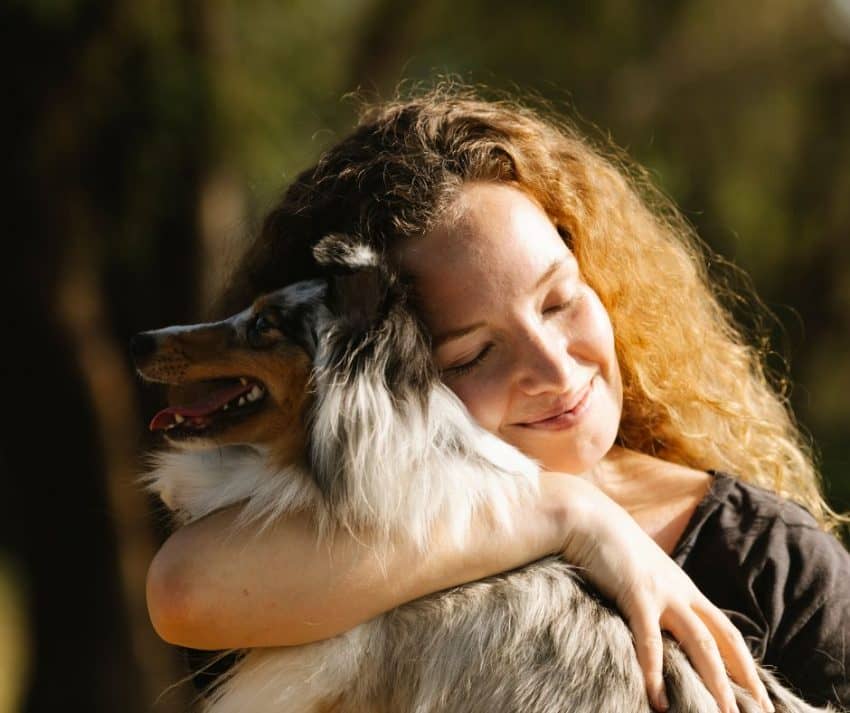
pixel 564 416
pixel 225 403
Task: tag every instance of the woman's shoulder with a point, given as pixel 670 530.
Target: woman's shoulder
pixel 784 580
pixel 742 497
pixel 761 532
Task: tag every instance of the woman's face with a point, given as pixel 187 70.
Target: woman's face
pixel 518 335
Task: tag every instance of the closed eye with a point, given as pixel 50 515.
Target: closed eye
pixel 264 324
pixel 563 303
pixel 559 307
pixel 554 309
pixel 468 366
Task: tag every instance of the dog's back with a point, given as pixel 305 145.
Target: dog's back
pixel 535 640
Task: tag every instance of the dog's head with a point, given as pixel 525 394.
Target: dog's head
pixel 247 379
pixel 241 380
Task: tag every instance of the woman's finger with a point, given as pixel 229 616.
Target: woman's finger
pixel 699 644
pixel 735 653
pixel 643 621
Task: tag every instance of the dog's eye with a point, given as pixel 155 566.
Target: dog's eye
pixel 263 325
pixel 263 330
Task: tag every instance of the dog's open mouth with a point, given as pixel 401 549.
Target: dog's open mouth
pixel 221 402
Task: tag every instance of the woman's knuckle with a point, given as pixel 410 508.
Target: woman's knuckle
pixel 706 643
pixel 737 637
pixel 648 645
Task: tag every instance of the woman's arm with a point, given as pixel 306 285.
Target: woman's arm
pixel 212 587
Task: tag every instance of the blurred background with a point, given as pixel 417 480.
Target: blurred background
pixel 144 141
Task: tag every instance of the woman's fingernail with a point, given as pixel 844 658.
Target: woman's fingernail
pixel 663 703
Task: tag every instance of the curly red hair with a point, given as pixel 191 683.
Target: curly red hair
pixel 695 391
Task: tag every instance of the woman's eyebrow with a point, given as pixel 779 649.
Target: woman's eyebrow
pixel 455 333
pixel 556 265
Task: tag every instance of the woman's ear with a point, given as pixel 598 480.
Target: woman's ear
pixel 358 282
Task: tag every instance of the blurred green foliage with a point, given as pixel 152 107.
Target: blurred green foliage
pixel 740 111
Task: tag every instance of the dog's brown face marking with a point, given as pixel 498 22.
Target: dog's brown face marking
pixel 243 380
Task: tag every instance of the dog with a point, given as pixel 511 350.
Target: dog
pixel 322 397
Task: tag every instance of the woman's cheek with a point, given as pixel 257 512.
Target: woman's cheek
pixel 483 398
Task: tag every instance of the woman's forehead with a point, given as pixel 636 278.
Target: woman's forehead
pixel 491 220
pixel 496 248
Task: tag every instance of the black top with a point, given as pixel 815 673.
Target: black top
pixel 783 582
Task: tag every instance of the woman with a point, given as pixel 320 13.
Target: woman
pixel 573 317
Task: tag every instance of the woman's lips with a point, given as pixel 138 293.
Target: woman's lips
pixel 566 418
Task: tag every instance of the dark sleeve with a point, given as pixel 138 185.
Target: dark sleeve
pixel 804 586
pixel 783 582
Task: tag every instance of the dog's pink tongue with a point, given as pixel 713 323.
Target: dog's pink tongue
pixel 200 409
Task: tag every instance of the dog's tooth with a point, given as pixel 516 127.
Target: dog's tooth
pixel 243 381
pixel 255 393
pixel 225 407
pixel 178 418
pixel 241 400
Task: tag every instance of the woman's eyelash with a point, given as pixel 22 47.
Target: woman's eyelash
pixel 560 307
pixel 471 364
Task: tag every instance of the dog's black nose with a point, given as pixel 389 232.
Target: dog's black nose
pixel 142 345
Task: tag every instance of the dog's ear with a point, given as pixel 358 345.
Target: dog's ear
pixel 345 253
pixel 358 281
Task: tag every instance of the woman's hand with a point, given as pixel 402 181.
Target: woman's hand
pixel 276 588
pixel 652 593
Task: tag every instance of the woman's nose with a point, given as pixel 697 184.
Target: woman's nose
pixel 544 363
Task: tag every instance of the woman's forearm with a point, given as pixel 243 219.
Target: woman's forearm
pixel 214 587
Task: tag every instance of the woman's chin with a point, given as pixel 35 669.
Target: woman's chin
pixel 569 452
